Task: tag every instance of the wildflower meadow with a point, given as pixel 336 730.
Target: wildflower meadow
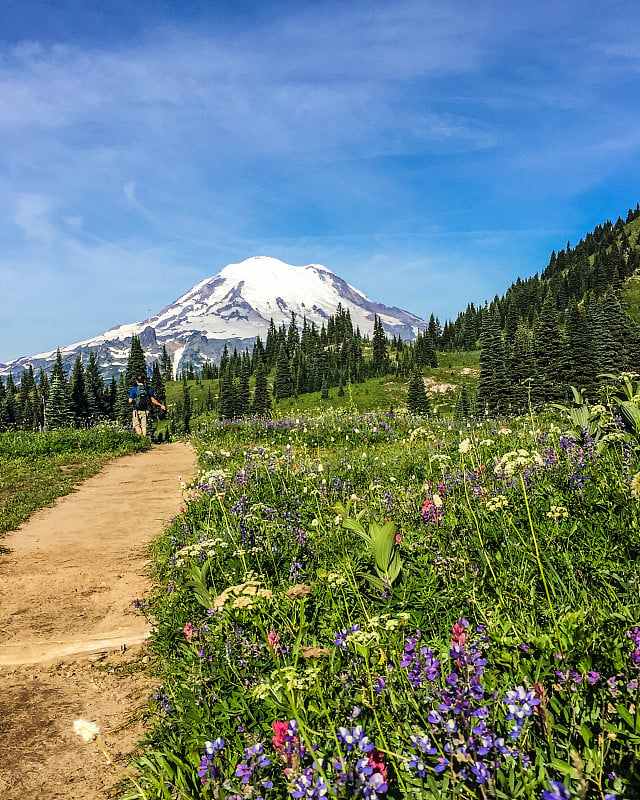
pixel 379 606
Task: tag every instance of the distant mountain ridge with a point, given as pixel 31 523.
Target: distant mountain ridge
pixel 233 308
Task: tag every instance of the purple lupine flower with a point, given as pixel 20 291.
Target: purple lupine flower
pixel 209 769
pixel 480 772
pixel 254 758
pixel 309 785
pixel 557 791
pixel 340 639
pixel 520 704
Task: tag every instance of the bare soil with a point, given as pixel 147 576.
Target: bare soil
pixel 71 644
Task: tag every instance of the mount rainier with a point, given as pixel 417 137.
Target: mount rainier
pixel 231 308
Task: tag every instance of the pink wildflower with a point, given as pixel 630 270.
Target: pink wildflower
pixel 398 538
pixel 376 762
pixel 458 635
pixel 280 728
pixel 188 631
pixel 274 640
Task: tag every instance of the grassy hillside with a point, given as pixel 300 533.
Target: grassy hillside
pixel 376 394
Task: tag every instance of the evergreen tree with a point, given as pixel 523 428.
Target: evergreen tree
pixel 380 360
pixel 58 370
pixel 417 397
pixel 226 405
pixel 462 409
pixel 159 391
pixel 78 388
pixel 582 361
pixel 493 389
pixel 43 384
pixel 59 409
pixel 136 363
pixel 122 405
pixel 243 392
pixel 261 403
pixel 549 354
pixel 521 369
pixel 166 367
pixel 283 383
pixel 9 411
pixel 94 386
pixel 111 398
pixel 293 337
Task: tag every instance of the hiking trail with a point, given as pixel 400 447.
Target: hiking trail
pixel 71 642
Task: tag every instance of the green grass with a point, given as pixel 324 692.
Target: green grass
pixel 37 468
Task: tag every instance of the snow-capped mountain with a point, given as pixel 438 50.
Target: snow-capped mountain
pixel 232 308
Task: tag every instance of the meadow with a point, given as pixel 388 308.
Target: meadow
pixel 36 468
pixel 368 605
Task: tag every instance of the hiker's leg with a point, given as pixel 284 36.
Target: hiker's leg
pixel 143 422
pixel 137 426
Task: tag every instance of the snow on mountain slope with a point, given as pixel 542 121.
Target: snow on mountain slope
pixel 235 306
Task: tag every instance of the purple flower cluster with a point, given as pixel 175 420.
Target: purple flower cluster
pixel 254 759
pixel 556 791
pixel 460 737
pixel 209 768
pixel 520 704
pixel 634 635
pixel 421 664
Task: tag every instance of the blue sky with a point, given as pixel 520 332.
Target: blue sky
pixel 427 152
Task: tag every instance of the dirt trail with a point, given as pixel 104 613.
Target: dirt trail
pixel 71 644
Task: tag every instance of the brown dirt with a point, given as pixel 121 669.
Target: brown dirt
pixel 71 643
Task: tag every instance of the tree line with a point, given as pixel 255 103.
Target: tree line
pixel 79 400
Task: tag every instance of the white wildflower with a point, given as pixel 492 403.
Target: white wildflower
pixel 86 730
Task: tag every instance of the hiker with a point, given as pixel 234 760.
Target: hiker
pixel 142 398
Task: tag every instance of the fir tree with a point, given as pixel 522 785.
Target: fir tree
pixel 283 383
pixel 122 406
pixel 243 392
pixel 380 358
pixel 94 386
pixel 226 405
pixel 186 407
pixel 78 388
pixel 58 370
pixel 549 354
pixel 462 409
pixel 59 409
pixel 159 391
pixel 136 363
pixel 493 389
pixel 417 397
pixel 166 367
pixel 261 403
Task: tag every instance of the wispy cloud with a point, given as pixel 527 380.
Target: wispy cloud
pixel 361 133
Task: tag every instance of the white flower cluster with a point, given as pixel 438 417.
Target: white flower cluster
pixel 194 550
pixel 333 578
pixel 557 512
pixel 243 595
pixel 420 433
pixel 211 475
pixel 85 729
pixel 388 622
pixel 286 679
pixel 516 461
pixel 497 503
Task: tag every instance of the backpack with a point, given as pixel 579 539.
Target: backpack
pixel 141 399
